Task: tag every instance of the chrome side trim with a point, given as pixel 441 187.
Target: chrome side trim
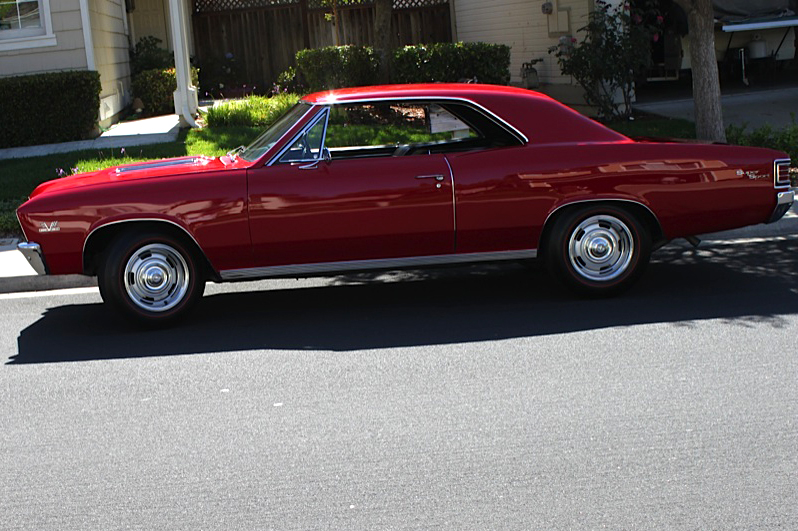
pixel 33 254
pixel 161 164
pixel 433 99
pixel 604 200
pixel 383 263
pixel 130 220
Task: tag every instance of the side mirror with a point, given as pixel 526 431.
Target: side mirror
pixel 326 156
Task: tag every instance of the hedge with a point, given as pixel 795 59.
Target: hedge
pixel 156 89
pixel 452 62
pixel 337 66
pixel 353 66
pixel 48 108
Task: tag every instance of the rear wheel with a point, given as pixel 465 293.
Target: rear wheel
pixel 598 250
pixel 151 277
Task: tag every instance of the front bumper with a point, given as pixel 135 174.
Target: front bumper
pixel 33 254
pixel 784 201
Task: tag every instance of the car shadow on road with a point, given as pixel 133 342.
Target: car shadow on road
pixel 751 284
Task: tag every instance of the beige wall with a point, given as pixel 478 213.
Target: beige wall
pixel 111 58
pixel 69 53
pixel 151 19
pixel 522 25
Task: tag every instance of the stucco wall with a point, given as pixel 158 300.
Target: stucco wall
pixel 522 25
pixel 69 53
pixel 111 58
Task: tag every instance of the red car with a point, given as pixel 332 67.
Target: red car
pixel 397 177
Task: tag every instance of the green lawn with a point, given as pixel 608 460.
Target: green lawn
pixel 655 127
pixel 18 177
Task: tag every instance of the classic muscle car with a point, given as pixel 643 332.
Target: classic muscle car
pixel 401 176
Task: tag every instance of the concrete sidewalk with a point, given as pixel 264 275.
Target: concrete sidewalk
pixel 154 130
pixel 16 274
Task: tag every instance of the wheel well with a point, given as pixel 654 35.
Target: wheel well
pixel 640 212
pixel 101 238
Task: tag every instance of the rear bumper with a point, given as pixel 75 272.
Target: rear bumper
pixel 784 201
pixel 33 254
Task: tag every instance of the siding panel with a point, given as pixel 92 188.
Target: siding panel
pixel 68 54
pixel 521 25
pixel 110 56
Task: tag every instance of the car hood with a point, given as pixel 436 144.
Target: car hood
pixel 141 170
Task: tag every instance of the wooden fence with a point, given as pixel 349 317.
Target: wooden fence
pixel 251 42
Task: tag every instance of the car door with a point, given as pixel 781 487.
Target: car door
pixel 354 202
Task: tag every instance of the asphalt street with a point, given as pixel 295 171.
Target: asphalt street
pixel 469 398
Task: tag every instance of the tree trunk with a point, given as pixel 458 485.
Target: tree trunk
pixel 382 36
pixel 706 84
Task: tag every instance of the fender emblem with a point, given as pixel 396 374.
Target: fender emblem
pixel 49 227
pixel 754 175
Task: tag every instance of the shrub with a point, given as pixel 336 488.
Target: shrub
pixel 8 216
pixel 48 108
pixel 156 89
pixel 148 55
pixel 252 111
pixel 337 66
pixel 614 53
pixel 452 62
pixel 784 140
pixel 353 66
pixel 288 81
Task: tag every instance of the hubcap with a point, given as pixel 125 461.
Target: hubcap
pixel 156 277
pixel 601 248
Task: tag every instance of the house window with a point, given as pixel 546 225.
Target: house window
pixel 25 24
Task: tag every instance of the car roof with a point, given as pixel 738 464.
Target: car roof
pixel 523 109
pixel 430 90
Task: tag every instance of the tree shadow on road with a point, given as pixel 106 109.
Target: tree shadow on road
pixel 752 284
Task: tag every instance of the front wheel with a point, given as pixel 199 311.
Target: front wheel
pixel 598 250
pixel 151 277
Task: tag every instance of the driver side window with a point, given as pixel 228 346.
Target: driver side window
pixel 308 146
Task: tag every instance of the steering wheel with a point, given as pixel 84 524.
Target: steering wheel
pixel 305 148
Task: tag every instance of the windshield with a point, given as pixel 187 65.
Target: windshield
pixel 265 141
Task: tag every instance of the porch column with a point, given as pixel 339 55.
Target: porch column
pixel 186 101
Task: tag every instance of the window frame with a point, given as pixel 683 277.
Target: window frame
pixel 46 38
pixel 496 120
pixel 323 115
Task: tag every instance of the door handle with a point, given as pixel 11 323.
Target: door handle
pixel 437 177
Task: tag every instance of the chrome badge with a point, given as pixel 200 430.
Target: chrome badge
pixel 754 175
pixel 49 227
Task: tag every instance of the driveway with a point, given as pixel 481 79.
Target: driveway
pixel 777 108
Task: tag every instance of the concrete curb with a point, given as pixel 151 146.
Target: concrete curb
pixel 45 283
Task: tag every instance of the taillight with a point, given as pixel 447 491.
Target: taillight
pixel 781 172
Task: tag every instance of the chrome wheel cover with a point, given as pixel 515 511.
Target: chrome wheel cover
pixel 156 277
pixel 601 248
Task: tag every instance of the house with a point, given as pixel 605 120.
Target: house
pixel 763 30
pixel 52 35
pixel 38 36
pixel 530 29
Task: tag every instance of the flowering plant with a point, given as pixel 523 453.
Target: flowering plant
pixel 614 53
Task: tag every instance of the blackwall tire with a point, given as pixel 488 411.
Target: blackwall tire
pixel 152 278
pixel 598 250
